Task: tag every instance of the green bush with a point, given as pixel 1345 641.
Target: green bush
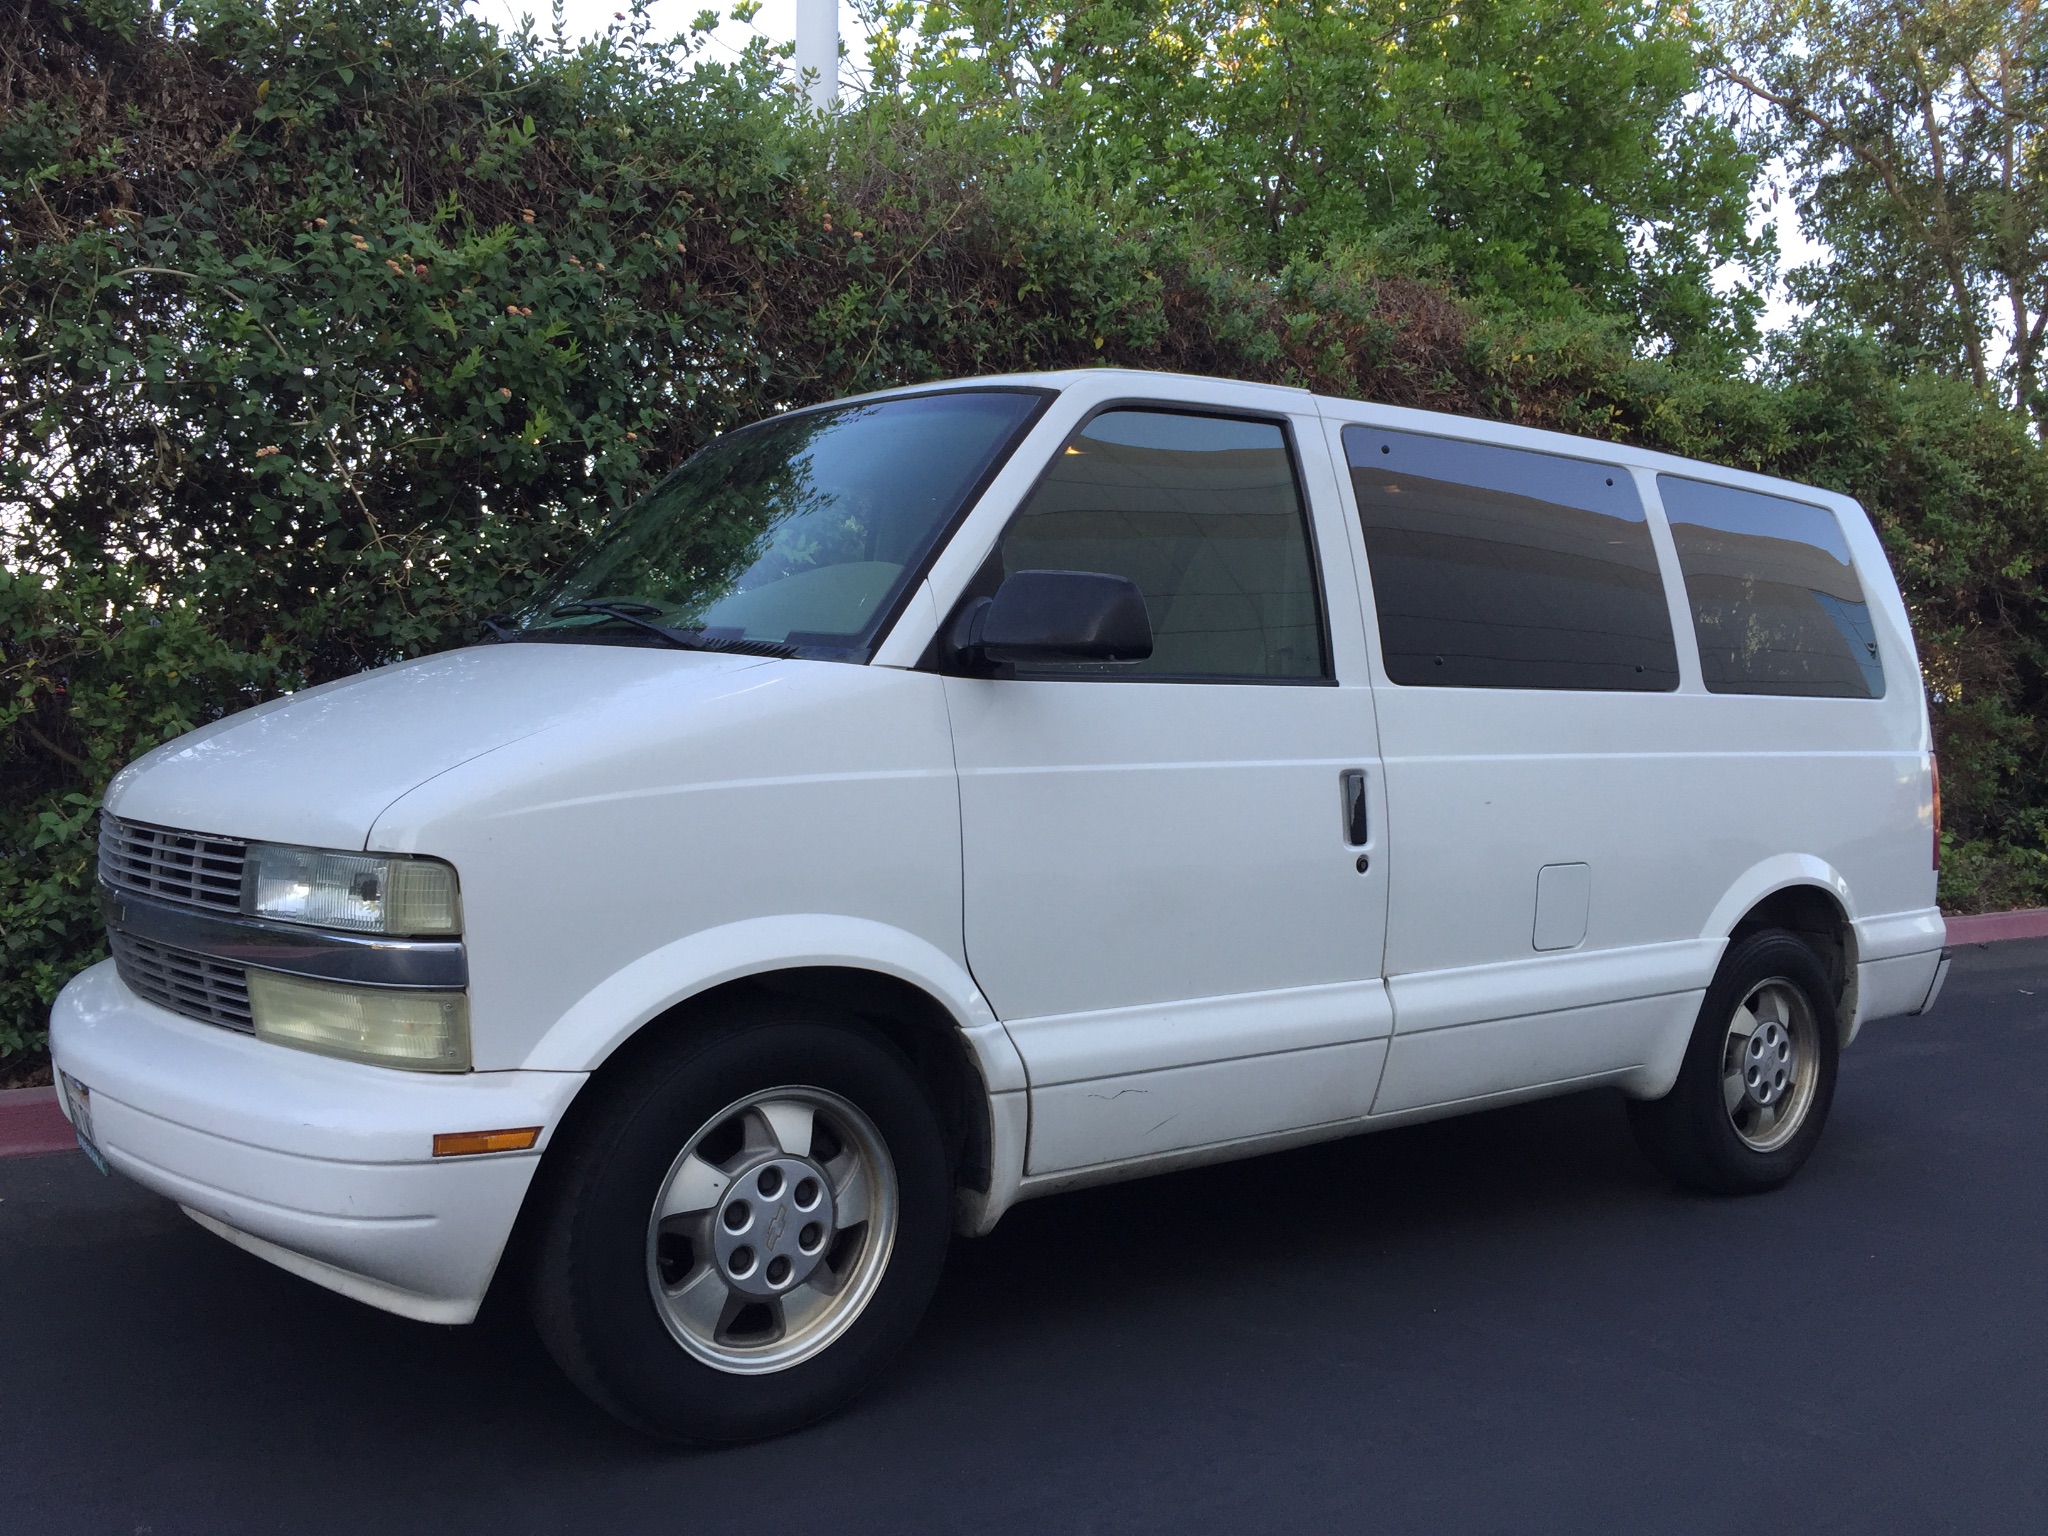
pixel 327 328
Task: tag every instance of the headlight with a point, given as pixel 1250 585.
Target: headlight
pixel 386 1026
pixel 365 892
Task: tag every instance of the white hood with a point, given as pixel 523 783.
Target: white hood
pixel 318 767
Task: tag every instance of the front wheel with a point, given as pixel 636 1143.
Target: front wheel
pixel 1759 1075
pixel 744 1231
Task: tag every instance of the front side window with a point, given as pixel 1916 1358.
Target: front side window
pixel 1774 595
pixel 795 535
pixel 1203 514
pixel 1499 568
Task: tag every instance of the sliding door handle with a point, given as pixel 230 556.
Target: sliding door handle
pixel 1357 830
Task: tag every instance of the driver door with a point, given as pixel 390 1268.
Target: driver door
pixel 1169 899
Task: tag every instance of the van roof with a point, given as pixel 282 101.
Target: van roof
pixel 1408 418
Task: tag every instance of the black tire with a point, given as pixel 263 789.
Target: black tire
pixel 593 1271
pixel 1692 1133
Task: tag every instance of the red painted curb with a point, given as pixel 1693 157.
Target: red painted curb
pixel 31 1122
pixel 1990 927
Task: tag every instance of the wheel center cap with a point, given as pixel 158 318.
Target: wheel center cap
pixel 772 1226
pixel 1767 1063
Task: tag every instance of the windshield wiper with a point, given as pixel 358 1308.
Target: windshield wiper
pixel 636 614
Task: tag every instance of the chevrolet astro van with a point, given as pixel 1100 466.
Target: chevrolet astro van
pixel 958 794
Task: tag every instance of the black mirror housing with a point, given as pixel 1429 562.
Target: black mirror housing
pixel 1055 616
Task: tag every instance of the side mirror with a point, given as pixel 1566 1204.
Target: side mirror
pixel 1053 616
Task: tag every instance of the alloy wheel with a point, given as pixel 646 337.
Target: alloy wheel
pixel 1770 1063
pixel 772 1230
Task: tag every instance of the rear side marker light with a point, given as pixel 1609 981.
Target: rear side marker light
pixel 470 1143
pixel 1934 763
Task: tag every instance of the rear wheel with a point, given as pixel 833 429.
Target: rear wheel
pixel 744 1231
pixel 1753 1095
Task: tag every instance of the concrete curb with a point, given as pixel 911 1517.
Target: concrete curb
pixel 31 1122
pixel 1990 927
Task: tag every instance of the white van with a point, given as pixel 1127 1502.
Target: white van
pixel 963 793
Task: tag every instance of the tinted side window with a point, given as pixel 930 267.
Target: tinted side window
pixel 1203 514
pixel 1497 568
pixel 1775 599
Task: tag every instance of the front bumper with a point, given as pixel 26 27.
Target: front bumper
pixel 325 1167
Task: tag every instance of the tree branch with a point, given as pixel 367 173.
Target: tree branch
pixel 1792 106
pixel 50 746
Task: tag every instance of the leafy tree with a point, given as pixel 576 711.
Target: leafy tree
pixel 1918 139
pixel 1541 153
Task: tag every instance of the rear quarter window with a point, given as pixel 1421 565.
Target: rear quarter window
pixel 1775 598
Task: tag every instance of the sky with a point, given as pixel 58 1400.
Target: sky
pixel 1795 249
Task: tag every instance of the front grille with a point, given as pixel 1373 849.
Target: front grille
pixel 187 867
pixel 195 985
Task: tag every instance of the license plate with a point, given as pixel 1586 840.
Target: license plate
pixel 78 1099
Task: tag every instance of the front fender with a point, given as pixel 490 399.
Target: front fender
pixel 619 1006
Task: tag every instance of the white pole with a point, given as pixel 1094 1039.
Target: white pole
pixel 817 48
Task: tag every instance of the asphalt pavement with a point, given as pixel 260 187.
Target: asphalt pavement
pixel 1501 1323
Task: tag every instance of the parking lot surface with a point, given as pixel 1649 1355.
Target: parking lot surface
pixel 1501 1323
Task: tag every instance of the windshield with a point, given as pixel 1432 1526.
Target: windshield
pixel 795 535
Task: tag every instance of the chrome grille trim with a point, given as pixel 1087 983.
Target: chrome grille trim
pixel 193 868
pixel 197 986
pixel 361 958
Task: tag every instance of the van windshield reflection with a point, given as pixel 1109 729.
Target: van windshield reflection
pixel 794 537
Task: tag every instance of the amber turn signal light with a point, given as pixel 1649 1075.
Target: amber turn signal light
pixel 1934 763
pixel 469 1143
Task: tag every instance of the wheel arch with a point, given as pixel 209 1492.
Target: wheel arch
pixel 917 1024
pixel 1806 897
pixel 914 994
